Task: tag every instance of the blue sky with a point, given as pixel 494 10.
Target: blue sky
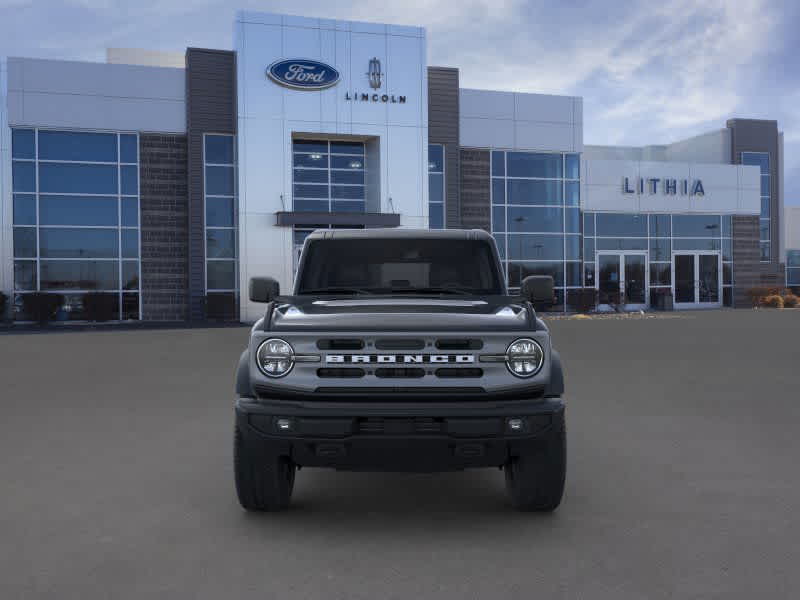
pixel 649 72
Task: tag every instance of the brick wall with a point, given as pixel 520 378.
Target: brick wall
pixel 165 227
pixel 475 198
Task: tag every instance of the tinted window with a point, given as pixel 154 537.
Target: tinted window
pixel 219 149
pixel 24 209
pixel 498 218
pixel 25 242
pixel 310 146
pixel 621 244
pixel 347 192
pixel 77 179
pixel 130 275
pixel 81 146
pixel 535 247
pixel 517 271
pixel 130 243
pixel 220 243
pixel 383 265
pixel 436 215
pixel 219 181
pixel 25 275
pixel 347 148
pixel 572 245
pixel 522 191
pixel 660 249
pixel 623 225
pixel 345 162
pixel 572 220
pixel 311 205
pixel 695 244
pixel 573 166
pixel 348 206
pixel 357 177
pixel 128 149
pixel 572 192
pixel 23 144
pixel 540 220
pixel 129 180
pixel 219 212
pixel 696 225
pixel 23 176
pixel 660 226
pixel 529 164
pixel 317 161
pixel 588 249
pixel 588 224
pixel 498 191
pixel 78 243
pixel 435 158
pixel 77 210
pixel 79 275
pixel 220 275
pixel 498 164
pixel 727 225
pixel 130 212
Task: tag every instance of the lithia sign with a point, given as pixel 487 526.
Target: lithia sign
pixel 667 186
pixel 307 74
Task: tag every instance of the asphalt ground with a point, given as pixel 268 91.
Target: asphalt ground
pixel 683 478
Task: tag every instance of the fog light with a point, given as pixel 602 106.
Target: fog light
pixel 284 424
pixel 516 424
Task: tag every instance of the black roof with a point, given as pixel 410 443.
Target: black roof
pixel 400 233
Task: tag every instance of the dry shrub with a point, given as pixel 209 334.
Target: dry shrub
pixel 773 301
pixel 790 301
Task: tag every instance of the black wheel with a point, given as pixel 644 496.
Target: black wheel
pixel 261 484
pixel 535 480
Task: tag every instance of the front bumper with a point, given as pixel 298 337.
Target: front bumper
pixel 391 436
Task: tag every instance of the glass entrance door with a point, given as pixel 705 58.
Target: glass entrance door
pixel 622 280
pixel 697 280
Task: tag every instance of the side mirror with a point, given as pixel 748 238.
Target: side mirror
pixel 538 290
pixel 264 289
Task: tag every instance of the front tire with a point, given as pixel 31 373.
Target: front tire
pixel 262 483
pixel 535 479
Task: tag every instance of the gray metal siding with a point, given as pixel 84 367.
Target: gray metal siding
pixel 210 108
pixel 443 129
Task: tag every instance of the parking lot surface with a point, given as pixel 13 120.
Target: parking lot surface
pixel 683 477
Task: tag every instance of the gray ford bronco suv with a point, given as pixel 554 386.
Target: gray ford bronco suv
pixel 400 350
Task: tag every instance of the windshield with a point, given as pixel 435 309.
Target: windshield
pixel 375 266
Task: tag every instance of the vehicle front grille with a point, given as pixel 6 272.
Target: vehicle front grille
pixel 400 426
pixel 459 372
pixel 340 344
pixel 399 344
pixel 342 373
pixel 399 372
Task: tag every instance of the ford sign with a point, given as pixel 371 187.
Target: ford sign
pixel 303 74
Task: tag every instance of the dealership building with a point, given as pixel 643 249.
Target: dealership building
pixel 168 180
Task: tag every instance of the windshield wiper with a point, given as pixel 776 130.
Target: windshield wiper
pixel 336 290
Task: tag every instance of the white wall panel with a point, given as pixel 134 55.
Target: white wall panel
pixel 486 133
pixel 486 104
pixel 540 135
pixel 541 107
pixel 406 80
pixel 363 47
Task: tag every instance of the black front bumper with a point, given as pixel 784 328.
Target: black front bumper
pixel 393 436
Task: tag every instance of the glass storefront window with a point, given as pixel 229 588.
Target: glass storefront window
pixel 222 279
pixel 326 173
pixel 762 160
pixel 436 186
pixel 696 225
pixel 532 164
pixel 621 225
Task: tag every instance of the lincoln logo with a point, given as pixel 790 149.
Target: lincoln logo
pixel 405 359
pixel 301 74
pixel 374 74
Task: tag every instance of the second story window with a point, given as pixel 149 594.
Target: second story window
pixel 328 176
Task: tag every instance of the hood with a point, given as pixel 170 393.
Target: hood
pixel 304 313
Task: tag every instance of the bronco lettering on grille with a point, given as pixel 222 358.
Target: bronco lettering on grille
pixel 399 358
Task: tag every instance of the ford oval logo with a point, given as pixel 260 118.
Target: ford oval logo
pixel 303 74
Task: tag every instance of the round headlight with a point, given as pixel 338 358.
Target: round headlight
pixel 275 357
pixel 524 357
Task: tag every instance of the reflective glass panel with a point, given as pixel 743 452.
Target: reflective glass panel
pixel 130 307
pixel 23 176
pixel 347 148
pixel 25 275
pixel 220 275
pixel 622 225
pixel 572 192
pixel 345 162
pixel 311 205
pixel 517 271
pixel 660 249
pixel 727 226
pixel 499 218
pixel 727 249
pixel 436 215
pixel 759 159
pixel 529 191
pixel 79 275
pixel 309 146
pixel 696 225
pixel 220 243
pixel 128 148
pixel 130 243
pixel 588 249
pixel 316 161
pixel 498 163
pixel 130 212
pixel 572 220
pixel 130 275
pixel 588 224
pixel 535 247
pixel 573 166
pixel 498 191
pixel 357 177
pixel 78 146
pixel 765 207
pixel 68 178
pixel 347 206
pixel 572 246
pixel 695 244
pixel 24 209
pixel 765 185
pixel 310 191
pixel 23 143
pixel 660 226
pixel 535 219
pixel 129 183
pixel 435 158
pixel 25 242
pixel 56 242
pixel 347 192
pixel 219 181
pixel 793 258
pixel 572 274
pixel 765 251
pixel 621 243
pixel 219 212
pixel 219 149
pixel 77 210
pixel 660 274
pixel 435 187
pixel 531 164
pixel 312 175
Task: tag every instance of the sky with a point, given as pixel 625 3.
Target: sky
pixel 649 72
